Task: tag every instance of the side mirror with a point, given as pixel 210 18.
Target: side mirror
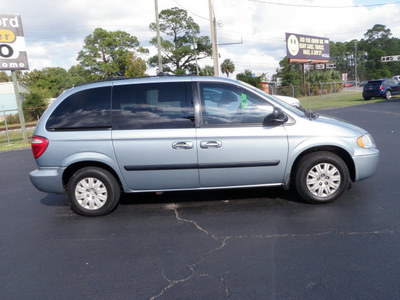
pixel 277 117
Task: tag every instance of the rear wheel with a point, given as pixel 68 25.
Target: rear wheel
pixel 388 95
pixel 367 98
pixel 93 192
pixel 321 177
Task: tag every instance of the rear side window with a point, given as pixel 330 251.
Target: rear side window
pixel 87 109
pixel 152 106
pixel 375 84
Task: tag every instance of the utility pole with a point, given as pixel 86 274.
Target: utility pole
pixel 213 39
pixel 355 64
pixel 19 105
pixel 160 66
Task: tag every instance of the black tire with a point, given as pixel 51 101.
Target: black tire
pixel 321 177
pixel 367 98
pixel 388 95
pixel 101 195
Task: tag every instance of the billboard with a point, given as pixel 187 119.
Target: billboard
pixel 12 43
pixel 307 47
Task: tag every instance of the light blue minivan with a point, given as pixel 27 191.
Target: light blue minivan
pixel 190 133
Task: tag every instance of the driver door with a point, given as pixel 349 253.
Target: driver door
pixel 234 148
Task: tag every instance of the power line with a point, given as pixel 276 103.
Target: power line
pixel 208 19
pixel 320 6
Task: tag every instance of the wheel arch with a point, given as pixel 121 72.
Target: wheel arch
pixel 73 168
pixel 342 153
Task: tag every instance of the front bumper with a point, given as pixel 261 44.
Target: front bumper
pixel 48 180
pixel 366 165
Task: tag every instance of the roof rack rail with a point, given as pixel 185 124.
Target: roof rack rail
pixel 114 78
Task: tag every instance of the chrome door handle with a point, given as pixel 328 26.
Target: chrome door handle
pixel 210 144
pixel 182 145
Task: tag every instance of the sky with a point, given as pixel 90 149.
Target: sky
pixel 55 30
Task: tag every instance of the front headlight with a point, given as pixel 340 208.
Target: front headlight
pixel 366 141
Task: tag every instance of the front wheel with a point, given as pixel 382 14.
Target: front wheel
pixel 321 177
pixel 93 192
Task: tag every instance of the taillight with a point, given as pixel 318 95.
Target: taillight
pixel 39 145
pixel 381 87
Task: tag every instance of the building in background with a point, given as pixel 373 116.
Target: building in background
pixel 7 98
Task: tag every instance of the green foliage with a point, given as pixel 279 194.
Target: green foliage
pixel 4 77
pixel 377 43
pixel 247 77
pixel 177 54
pixel 78 74
pixel 290 74
pixel 227 67
pixel 136 67
pixel 206 71
pixel 34 105
pixel 108 53
pixel 12 119
pixel 51 81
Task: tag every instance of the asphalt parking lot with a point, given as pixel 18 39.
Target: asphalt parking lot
pixel 231 244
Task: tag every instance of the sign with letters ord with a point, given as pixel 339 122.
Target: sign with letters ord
pixel 300 46
pixel 12 43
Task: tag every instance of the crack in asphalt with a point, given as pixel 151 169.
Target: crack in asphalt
pixel 228 296
pixel 225 240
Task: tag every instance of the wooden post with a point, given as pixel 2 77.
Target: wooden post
pixel 19 105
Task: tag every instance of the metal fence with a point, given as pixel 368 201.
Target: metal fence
pixel 309 89
pixel 10 128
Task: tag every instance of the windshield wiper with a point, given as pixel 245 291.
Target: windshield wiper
pixel 311 115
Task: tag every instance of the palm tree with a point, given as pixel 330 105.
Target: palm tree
pixel 227 67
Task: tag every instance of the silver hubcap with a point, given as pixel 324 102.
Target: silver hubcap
pixel 323 180
pixel 91 193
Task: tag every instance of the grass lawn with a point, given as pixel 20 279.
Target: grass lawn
pixel 343 99
pixel 16 140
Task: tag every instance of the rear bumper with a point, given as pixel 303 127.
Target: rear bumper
pixel 48 180
pixel 373 94
pixel 366 165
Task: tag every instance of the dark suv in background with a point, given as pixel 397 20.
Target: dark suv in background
pixel 384 88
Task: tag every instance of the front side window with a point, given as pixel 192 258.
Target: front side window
pixel 87 109
pixel 224 104
pixel 152 106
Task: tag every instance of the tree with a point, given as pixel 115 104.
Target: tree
pixel 4 77
pixel 51 81
pixel 207 71
pixel 227 67
pixel 34 105
pixel 136 66
pixel 78 74
pixel 378 43
pixel 247 76
pixel 107 53
pixel 289 74
pixel 177 54
pixel 378 32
